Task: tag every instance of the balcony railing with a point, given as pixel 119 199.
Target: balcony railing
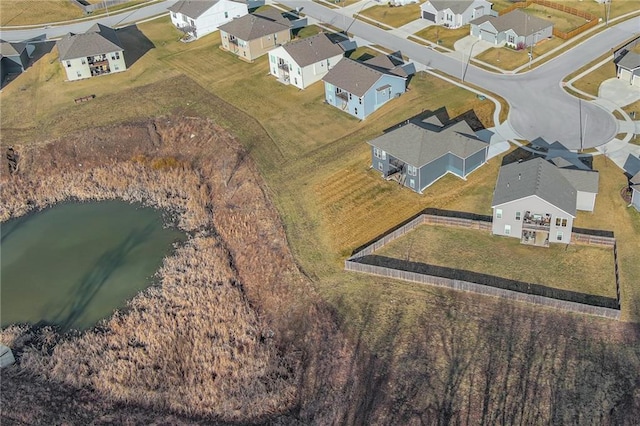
pixel 343 95
pixel 284 67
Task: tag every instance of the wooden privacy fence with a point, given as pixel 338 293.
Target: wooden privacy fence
pixel 592 20
pixel 481 289
pixel 444 218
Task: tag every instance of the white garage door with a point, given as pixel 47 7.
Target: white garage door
pixel 487 36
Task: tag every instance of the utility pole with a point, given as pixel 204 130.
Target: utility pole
pixel 607 11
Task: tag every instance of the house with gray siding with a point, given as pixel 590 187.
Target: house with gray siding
pixel 14 58
pixel 634 184
pixel 418 154
pixel 454 13
pixel 304 62
pixel 516 29
pixel 198 18
pixel 96 52
pixel 360 88
pixel 537 202
pixel 628 68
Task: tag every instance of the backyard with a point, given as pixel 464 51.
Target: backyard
pixel 578 268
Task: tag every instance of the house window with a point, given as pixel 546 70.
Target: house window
pixel 355 111
pixel 517 215
pixel 564 222
pixel 299 71
pixel 272 59
pixel 68 64
pixel 116 67
pixel 380 166
pixel 193 24
pixel 498 213
pixel 79 74
pixel 84 61
pixel 559 236
pixel 226 15
pixel 512 39
pixel 507 230
pixel 412 183
pixel 561 222
pixel 412 170
pixel 360 101
pixel 173 14
pixel 117 55
pixel 384 155
pixel 349 96
pixel 558 221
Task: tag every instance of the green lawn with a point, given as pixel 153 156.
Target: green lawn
pixel 445 37
pixel 393 16
pixel 583 269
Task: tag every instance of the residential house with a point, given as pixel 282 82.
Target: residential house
pixel 628 68
pixel 304 62
pixel 402 2
pixel 14 58
pixel 517 29
pixel 454 13
pixel 360 88
pixel 96 52
pixel 418 154
pixel 201 17
pixel 253 35
pixel 536 201
pixel 635 191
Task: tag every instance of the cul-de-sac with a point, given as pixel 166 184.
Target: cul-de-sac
pixel 320 212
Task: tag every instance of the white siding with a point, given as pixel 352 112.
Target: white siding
pixel 220 13
pixel 78 68
pixel 300 77
pixel 585 201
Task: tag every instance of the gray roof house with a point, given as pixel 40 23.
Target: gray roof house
pixel 517 29
pixel 360 88
pixel 628 68
pixel 14 58
pixel 198 18
pixel 253 35
pixel 418 154
pixel 536 201
pixel 304 62
pixel 454 13
pixel 96 52
pixel 635 191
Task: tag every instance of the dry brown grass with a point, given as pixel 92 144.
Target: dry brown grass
pixel 443 36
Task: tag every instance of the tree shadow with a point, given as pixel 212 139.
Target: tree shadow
pixel 134 43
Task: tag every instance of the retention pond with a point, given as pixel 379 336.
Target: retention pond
pixel 73 264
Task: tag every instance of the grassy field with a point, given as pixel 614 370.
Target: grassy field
pixel 562 21
pixel 618 8
pixel 445 37
pixel 510 59
pixel 393 16
pixel 583 269
pixel 590 83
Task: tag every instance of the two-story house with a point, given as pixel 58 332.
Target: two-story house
pixel 418 154
pixel 304 62
pixel 96 52
pixel 201 17
pixel 253 35
pixel 454 13
pixel 14 58
pixel 537 202
pixel 360 88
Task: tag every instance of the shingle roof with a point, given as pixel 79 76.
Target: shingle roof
pixel 98 40
pixel 630 61
pixel 522 23
pixel 417 146
pixel 354 77
pixel 192 8
pixel 312 49
pixel 582 180
pixel 456 6
pixel 635 179
pixel 536 177
pixel 11 49
pixel 388 64
pixel 253 26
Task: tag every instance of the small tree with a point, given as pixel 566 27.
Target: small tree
pixel 521 45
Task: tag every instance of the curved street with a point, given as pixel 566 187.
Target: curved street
pixel 541 111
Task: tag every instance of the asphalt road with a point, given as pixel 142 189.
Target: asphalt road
pixel 541 111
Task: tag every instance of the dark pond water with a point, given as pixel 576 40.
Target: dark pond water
pixel 73 264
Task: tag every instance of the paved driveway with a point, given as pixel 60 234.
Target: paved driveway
pixel 619 92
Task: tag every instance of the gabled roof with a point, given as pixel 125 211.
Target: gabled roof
pixel 582 180
pixel 635 179
pixel 456 6
pixel 11 49
pixel 630 61
pixel 536 177
pixel 418 146
pixel 192 8
pixel 312 49
pixel 391 65
pixel 353 76
pixel 520 22
pixel 253 26
pixel 98 39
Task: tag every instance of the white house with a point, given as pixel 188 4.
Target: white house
pixel 454 13
pixel 304 62
pixel 96 52
pixel 201 17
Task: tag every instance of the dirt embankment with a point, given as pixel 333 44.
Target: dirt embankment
pixel 231 333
